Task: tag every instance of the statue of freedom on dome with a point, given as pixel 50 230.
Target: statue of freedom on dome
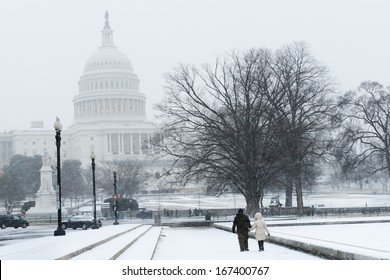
pixel 107 24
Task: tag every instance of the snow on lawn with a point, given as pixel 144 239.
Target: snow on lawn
pixel 326 199
pixel 365 239
pixel 369 239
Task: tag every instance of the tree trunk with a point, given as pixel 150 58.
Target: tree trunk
pixel 298 189
pixel 289 192
pixel 388 160
pixel 252 204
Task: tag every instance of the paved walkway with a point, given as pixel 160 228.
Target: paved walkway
pixel 142 242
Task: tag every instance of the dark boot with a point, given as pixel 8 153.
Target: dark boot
pixel 261 245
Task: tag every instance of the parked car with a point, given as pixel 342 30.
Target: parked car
pixel 80 221
pixel 12 220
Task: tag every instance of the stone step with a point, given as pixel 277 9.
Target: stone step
pixel 115 247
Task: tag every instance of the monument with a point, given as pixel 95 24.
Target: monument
pixel 46 198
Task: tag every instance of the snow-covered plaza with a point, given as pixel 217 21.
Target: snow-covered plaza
pixel 365 236
pixel 311 243
pixel 136 243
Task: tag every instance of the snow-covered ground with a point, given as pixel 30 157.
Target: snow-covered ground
pixel 214 244
pixel 206 248
pixel 325 199
pixel 367 236
pixel 184 201
pixel 209 247
pixel 177 243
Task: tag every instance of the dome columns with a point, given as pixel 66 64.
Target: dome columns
pixel 109 107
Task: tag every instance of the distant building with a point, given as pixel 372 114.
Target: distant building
pixel 37 124
pixel 109 115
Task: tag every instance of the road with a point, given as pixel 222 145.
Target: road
pixel 14 235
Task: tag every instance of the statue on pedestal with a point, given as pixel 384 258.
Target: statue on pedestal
pixel 46 202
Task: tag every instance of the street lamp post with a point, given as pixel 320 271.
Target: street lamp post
pixel 58 128
pixel 115 201
pixel 95 226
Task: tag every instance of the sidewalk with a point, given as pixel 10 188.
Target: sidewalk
pixel 144 242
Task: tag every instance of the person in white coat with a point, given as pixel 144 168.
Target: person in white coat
pixel 261 230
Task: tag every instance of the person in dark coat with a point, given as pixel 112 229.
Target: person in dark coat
pixel 243 224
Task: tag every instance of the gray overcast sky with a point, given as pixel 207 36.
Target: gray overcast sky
pixel 45 43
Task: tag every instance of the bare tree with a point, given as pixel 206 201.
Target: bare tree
pixel 131 176
pixel 366 115
pixel 305 111
pixel 218 125
pixel 73 184
pixel 253 122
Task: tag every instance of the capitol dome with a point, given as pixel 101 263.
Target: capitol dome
pixel 108 88
pixel 108 58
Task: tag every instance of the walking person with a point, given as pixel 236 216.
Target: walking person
pixel 243 224
pixel 261 228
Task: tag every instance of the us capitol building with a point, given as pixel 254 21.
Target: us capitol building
pixel 109 115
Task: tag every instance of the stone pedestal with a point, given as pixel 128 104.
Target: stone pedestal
pixel 46 199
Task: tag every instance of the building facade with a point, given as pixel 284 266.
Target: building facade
pixel 109 115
